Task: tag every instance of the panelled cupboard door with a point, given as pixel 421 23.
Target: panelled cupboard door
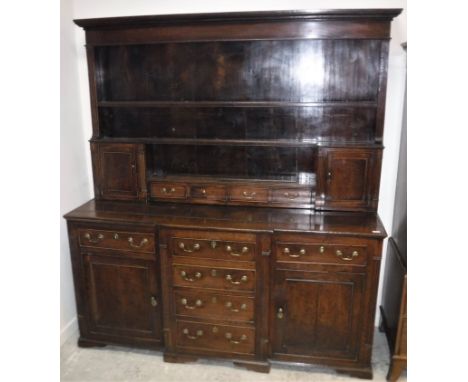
pixel 347 178
pixel 316 314
pixel 122 296
pixel 117 169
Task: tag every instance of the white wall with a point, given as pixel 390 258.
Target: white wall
pixel 76 120
pixel 74 162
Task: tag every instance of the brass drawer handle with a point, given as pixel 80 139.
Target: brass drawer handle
pixel 142 242
pixel 198 304
pixel 153 301
pixel 228 336
pixel 243 279
pixel 198 333
pixel 195 247
pixel 228 305
pixel 243 250
pixel 347 257
pixel 97 240
pixel 168 191
pixel 198 276
pixel 249 195
pixel 290 196
pixel 287 251
pixel 280 313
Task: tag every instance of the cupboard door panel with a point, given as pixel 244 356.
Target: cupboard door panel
pixel 317 314
pixel 123 297
pixel 117 171
pixel 347 178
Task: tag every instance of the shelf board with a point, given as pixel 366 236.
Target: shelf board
pixel 302 179
pixel 239 142
pixel 244 104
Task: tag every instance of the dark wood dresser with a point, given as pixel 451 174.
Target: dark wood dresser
pixel 236 161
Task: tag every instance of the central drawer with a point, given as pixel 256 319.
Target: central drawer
pixel 203 304
pixel 213 249
pixel 221 338
pixel 213 278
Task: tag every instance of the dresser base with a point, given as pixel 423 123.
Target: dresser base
pixel 362 373
pixel 252 365
pixel 84 343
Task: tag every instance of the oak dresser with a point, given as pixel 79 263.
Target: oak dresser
pixel 236 161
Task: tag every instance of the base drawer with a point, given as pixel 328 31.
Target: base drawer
pixel 202 304
pixel 223 338
pixel 214 278
pixel 127 241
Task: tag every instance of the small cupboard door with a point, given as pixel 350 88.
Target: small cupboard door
pixel 348 178
pixel 118 169
pixel 316 314
pixel 122 297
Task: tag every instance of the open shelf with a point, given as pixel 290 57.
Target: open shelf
pixel 241 142
pixel 300 179
pixel 235 104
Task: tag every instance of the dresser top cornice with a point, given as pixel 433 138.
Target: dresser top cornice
pixel 385 14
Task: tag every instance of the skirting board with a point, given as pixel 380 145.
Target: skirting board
pixel 69 330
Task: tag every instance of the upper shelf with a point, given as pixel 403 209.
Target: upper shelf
pixel 240 142
pixel 161 104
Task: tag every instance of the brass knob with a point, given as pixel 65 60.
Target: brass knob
pixel 183 301
pixel 244 278
pixel 280 313
pixel 228 304
pixel 322 249
pixel 286 250
pixel 153 300
pixel 116 236
pixel 203 191
pixel 244 306
pixel 302 251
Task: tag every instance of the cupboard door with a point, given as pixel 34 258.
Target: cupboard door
pixel 347 178
pixel 123 297
pixel 316 314
pixel 117 169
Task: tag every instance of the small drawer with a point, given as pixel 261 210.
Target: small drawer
pixel 249 194
pixel 291 195
pixel 200 304
pixel 213 249
pixel 321 253
pixel 127 241
pixel 163 190
pixel 223 338
pixel 214 278
pixel 208 192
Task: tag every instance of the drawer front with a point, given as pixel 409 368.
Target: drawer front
pixel 208 192
pixel 224 338
pixel 201 304
pixel 127 241
pixel 213 249
pixel 164 190
pixel 249 194
pixel 291 195
pixel 214 278
pixel 326 253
